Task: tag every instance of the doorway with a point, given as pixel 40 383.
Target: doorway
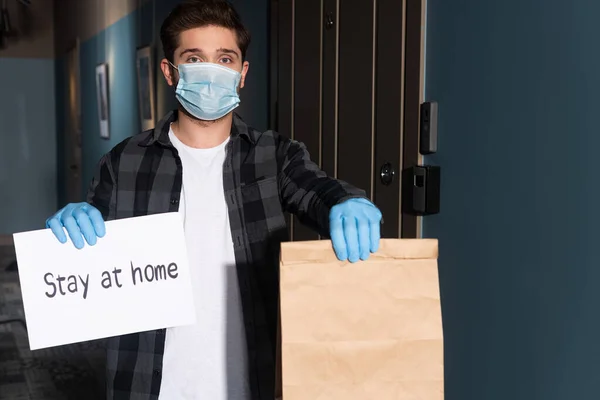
pixel 72 133
pixel 347 82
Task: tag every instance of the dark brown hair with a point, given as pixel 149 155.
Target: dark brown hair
pixel 191 14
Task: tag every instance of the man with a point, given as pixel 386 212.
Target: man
pixel 231 184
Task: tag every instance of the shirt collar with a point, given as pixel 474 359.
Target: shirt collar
pixel 160 134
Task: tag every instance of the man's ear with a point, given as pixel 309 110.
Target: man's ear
pixel 245 67
pixel 168 71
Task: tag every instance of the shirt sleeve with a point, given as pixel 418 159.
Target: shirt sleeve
pixel 306 191
pixel 102 191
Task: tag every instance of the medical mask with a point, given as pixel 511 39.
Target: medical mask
pixel 208 91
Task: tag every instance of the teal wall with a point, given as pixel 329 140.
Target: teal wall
pixel 517 83
pixel 60 96
pixel 117 44
pixel 27 143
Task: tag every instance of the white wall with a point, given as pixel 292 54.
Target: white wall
pixel 27 143
pixel 27 120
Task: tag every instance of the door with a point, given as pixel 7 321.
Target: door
pixel 348 85
pixel 72 133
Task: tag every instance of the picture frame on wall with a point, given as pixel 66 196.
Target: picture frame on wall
pixel 145 78
pixel 103 100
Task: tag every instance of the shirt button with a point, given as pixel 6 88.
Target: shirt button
pixel 174 201
pixel 156 372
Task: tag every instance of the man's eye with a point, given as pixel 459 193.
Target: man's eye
pixel 194 59
pixel 226 60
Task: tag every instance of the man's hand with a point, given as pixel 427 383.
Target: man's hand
pixel 80 219
pixel 355 229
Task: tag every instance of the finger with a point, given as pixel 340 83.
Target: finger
pixel 97 221
pixel 338 241
pixel 375 231
pixel 375 236
pixel 57 229
pixel 364 238
pixel 351 235
pixel 85 226
pixel 73 230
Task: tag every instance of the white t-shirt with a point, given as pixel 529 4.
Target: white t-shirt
pixel 207 360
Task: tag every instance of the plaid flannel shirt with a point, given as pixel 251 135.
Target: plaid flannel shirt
pixel 264 176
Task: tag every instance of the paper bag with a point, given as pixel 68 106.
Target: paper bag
pixel 370 330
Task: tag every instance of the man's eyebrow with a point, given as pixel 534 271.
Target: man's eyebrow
pixel 191 51
pixel 228 51
pixel 220 50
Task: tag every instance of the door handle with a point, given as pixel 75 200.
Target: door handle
pixel 387 174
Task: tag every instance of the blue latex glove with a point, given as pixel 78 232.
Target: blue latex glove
pixel 80 219
pixel 355 229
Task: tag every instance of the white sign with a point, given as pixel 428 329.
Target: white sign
pixel 135 279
